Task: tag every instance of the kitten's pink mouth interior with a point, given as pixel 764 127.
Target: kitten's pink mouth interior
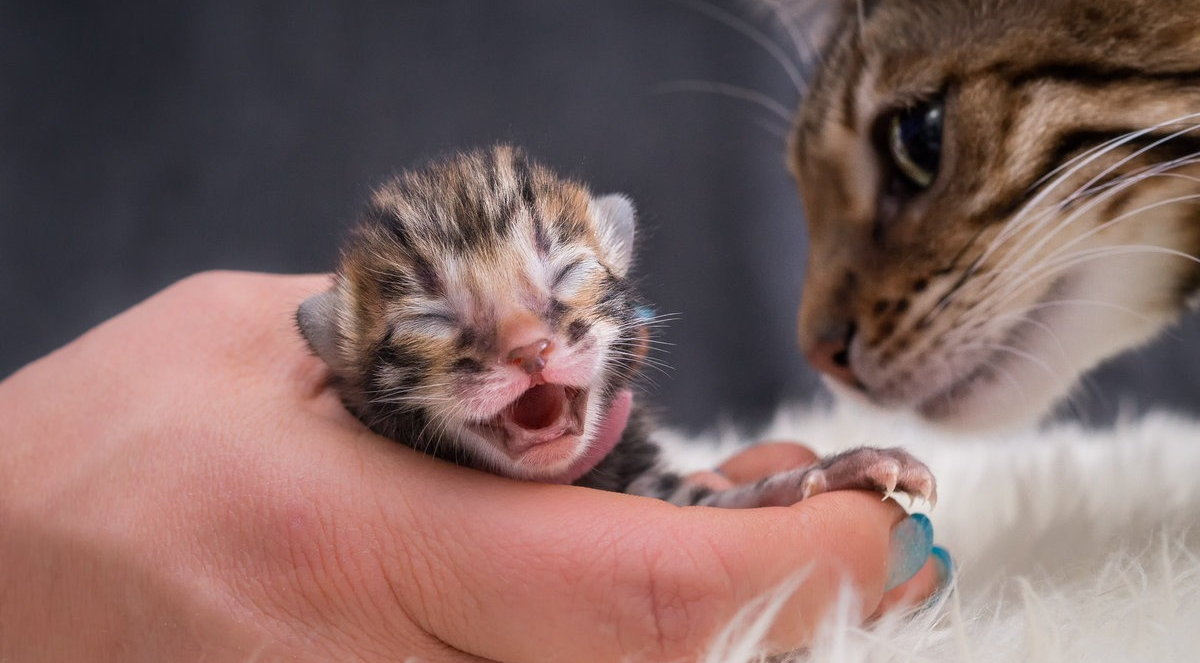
pixel 543 414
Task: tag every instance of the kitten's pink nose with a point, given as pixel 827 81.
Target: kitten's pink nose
pixel 531 358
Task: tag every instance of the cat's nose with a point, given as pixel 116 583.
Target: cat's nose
pixel 830 353
pixel 532 357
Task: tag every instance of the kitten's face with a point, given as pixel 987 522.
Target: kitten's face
pixel 483 305
pixel 993 197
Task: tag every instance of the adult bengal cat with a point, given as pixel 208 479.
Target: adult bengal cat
pixel 1000 195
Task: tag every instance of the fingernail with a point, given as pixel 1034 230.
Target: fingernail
pixel 945 566
pixel 912 543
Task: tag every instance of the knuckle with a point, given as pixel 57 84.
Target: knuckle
pixel 204 285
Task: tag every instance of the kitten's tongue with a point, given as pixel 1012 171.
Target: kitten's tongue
pixel 539 407
pixel 609 435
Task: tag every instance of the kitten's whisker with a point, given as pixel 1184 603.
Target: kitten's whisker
pixel 733 91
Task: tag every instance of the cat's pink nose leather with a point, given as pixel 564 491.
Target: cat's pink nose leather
pixel 532 357
pixel 829 352
pixel 832 359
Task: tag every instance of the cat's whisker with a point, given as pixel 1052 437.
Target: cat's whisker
pixel 1020 248
pixel 755 97
pixel 777 132
pixel 1122 218
pixel 1098 303
pixel 1090 186
pixel 1016 352
pixel 1022 217
pixel 753 34
pixel 805 50
pixel 1018 266
pixel 1088 255
pixel 1057 253
pixel 1021 316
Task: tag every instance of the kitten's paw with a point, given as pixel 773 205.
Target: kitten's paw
pixel 885 470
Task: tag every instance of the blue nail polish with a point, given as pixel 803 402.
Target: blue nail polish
pixel 945 566
pixel 644 313
pixel 911 545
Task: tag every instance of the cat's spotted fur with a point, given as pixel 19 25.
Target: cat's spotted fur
pixel 482 312
pixel 973 273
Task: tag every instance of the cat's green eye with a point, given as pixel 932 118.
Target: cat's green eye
pixel 914 141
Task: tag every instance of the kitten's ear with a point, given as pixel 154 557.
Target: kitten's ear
pixel 616 219
pixel 317 318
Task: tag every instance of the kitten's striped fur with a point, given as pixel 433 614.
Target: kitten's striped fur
pixel 1062 222
pixel 483 313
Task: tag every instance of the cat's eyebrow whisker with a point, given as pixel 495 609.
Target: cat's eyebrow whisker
pixel 803 46
pixel 755 97
pixel 777 132
pixel 753 34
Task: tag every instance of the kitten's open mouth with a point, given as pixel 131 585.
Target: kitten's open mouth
pixel 544 413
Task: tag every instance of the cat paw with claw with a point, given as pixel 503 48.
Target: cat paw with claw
pixel 888 471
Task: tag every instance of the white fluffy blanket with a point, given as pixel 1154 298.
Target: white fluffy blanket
pixel 1071 544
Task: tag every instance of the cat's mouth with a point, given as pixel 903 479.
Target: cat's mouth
pixel 543 414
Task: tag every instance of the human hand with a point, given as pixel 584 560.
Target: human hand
pixel 180 484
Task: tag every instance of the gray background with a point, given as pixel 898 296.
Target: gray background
pixel 143 143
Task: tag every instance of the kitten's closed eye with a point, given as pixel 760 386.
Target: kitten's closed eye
pixel 576 274
pixel 438 323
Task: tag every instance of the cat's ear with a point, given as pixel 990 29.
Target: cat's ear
pixel 317 318
pixel 616 220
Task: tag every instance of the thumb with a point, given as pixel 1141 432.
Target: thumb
pixel 515 571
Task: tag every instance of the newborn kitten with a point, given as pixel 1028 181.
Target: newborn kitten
pixel 482 313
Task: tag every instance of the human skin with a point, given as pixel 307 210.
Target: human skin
pixel 180 484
